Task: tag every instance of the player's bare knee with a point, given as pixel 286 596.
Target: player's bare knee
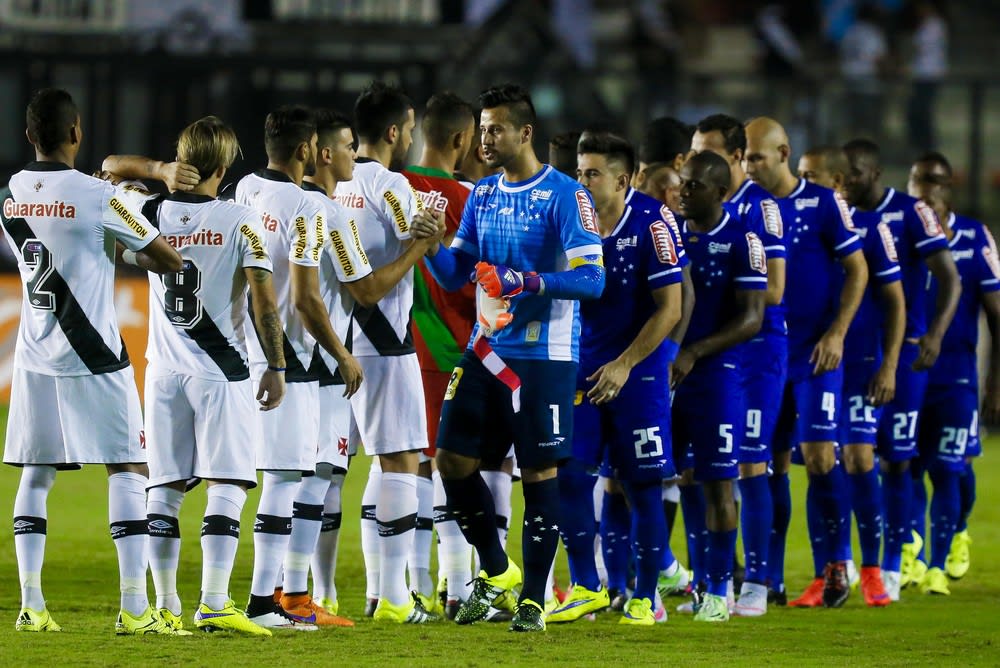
pixel 858 458
pixel 139 468
pixel 454 466
pixel 782 462
pixel 400 462
pixel 895 468
pixel 531 476
pixel 753 469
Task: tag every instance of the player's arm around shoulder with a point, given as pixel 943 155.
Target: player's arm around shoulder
pixel 175 175
pixel 138 242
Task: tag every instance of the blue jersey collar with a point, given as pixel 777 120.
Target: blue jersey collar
pixel 886 198
pixel 715 230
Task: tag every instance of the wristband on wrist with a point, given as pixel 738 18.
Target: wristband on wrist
pixel 671 348
pixel 278 369
pixel 128 257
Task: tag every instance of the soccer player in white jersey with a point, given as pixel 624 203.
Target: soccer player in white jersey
pixel 73 395
pixel 294 228
pixel 389 409
pixel 346 279
pixel 200 419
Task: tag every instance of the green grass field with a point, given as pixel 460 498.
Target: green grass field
pixel 80 580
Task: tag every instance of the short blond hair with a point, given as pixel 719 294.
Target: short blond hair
pixel 208 144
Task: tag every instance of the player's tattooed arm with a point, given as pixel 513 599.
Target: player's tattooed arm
pixel 991 399
pixel 942 266
pixel 829 350
pixel 270 334
pixel 175 175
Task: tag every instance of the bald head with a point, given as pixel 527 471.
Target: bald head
pixel 767 153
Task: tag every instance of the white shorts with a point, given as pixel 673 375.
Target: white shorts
pixel 198 428
pixel 389 407
pixel 334 427
pixel 290 431
pixel 66 421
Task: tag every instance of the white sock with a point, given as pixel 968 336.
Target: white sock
pixel 369 529
pixel 500 485
pixel 602 569
pixel 220 537
pixel 454 552
pixel 130 531
pixel 272 528
pixel 396 514
pixel 419 559
pixel 307 519
pixel 163 506
pixel 324 561
pixel 30 526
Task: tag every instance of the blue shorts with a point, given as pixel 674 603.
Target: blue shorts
pixel 709 413
pixel 764 371
pixel 810 410
pixel 897 430
pixel 478 418
pixel 631 434
pixel 859 420
pixel 949 427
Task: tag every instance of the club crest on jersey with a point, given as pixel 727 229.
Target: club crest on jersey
pixel 928 218
pixel 663 242
pixel 185 219
pixel 57 209
pixel 398 214
pixel 587 215
pixel 888 243
pixel 772 217
pixel 340 248
pixel 758 258
pixel 38 186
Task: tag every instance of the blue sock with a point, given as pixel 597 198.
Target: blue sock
pixel 945 508
pixel 693 509
pixel 615 536
pixel 967 489
pixel 719 562
pixel 576 499
pixel 867 505
pixel 649 536
pixel 472 503
pixel 781 497
pixel 829 495
pixel 540 536
pixel 841 487
pixel 918 508
pixel 817 535
pixel 897 490
pixel 756 519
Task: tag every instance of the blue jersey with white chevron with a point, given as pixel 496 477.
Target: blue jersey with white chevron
pixel 917 234
pixel 818 234
pixel 758 210
pixel 643 253
pixel 975 256
pixel 724 260
pixel 863 342
pixel 544 224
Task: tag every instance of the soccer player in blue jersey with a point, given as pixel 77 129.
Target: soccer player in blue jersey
pixel 729 270
pixel 949 420
pixel 622 354
pixel 921 247
pixel 530 236
pixel 765 366
pixel 871 357
pixel 826 278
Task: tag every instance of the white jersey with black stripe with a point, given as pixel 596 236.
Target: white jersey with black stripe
pixel 62 226
pixel 197 315
pixel 382 203
pixel 294 230
pixel 344 260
